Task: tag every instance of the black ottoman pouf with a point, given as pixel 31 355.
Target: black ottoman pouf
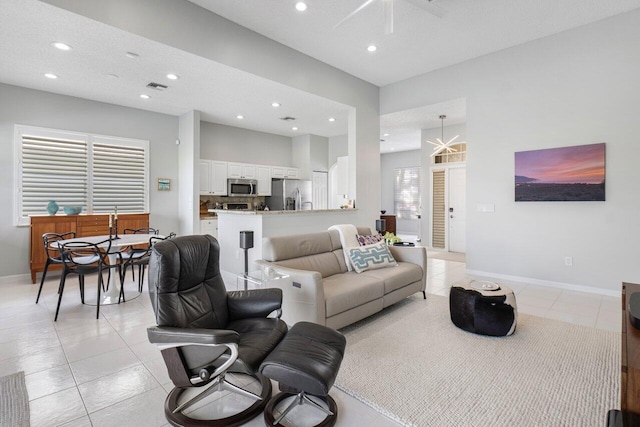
pixel 305 362
pixel 483 308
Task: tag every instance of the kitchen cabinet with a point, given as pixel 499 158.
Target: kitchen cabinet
pixel 209 226
pixel 241 170
pixel 82 225
pixel 264 180
pixel 213 177
pixel 292 173
pixel 284 172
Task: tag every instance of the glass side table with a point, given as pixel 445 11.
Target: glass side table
pixel 263 278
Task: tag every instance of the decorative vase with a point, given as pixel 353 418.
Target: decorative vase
pixel 52 207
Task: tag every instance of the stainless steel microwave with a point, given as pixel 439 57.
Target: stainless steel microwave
pixel 242 187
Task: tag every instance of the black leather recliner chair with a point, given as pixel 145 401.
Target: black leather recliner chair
pixel 205 331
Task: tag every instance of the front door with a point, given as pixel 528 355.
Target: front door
pixel 457 209
pixel 320 189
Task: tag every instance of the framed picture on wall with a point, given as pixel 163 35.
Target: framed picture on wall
pixel 164 184
pixel 565 174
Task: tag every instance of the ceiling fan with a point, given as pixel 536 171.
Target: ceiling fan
pixel 427 5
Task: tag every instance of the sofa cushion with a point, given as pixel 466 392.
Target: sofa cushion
pixel 279 248
pixel 348 290
pixel 371 257
pixel 326 263
pixel 396 277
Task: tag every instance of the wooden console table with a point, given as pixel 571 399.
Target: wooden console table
pixel 630 369
pixel 83 225
pixel 391 223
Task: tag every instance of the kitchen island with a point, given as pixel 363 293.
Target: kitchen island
pixel 268 224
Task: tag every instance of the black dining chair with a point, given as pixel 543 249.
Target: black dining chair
pixel 127 254
pixel 82 258
pixel 141 260
pixel 53 253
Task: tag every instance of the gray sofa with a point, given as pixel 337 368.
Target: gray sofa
pixel 324 292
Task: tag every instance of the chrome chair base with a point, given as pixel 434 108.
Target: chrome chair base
pixel 301 399
pixel 173 410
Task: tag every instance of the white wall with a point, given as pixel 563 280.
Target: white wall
pixel 388 163
pixel 36 108
pixel 189 182
pixel 318 154
pixel 577 87
pixel 210 36
pixel 232 144
pixel 338 147
pixel 300 155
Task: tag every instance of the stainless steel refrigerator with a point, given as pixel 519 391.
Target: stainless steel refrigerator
pixel 290 194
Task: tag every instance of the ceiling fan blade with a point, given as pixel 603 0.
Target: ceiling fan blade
pixel 354 13
pixel 388 16
pixel 429 7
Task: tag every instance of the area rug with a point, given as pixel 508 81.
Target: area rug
pixel 412 364
pixel 14 401
pixel 447 256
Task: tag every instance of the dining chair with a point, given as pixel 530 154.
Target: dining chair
pixel 52 252
pixel 141 261
pixel 82 258
pixel 132 252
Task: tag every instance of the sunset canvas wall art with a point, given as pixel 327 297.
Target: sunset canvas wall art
pixel 568 174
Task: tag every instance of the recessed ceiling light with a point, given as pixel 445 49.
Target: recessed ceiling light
pixel 145 96
pixel 372 48
pixel 301 6
pixel 294 128
pixel 132 55
pixel 61 46
pixel 239 117
pixel 172 76
pixel 113 76
pixel 386 134
pixel 50 76
pixel 392 149
pixel 275 104
pixel 332 119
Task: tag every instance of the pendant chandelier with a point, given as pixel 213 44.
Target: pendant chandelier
pixel 440 145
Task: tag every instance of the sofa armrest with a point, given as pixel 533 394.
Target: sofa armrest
pixel 415 255
pixel 302 294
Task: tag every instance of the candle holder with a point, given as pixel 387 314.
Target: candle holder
pixel 115 224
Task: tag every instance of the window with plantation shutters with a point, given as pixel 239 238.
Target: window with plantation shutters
pixel 119 176
pixel 75 169
pixel 407 193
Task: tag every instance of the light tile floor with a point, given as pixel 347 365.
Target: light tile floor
pixel 86 372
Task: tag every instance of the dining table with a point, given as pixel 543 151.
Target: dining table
pixel 118 243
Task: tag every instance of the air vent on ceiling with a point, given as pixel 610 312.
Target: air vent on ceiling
pixel 157 86
pixel 287 118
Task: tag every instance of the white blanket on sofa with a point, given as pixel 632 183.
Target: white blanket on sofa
pixel 348 239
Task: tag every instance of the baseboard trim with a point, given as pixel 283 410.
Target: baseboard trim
pixel 548 283
pixel 15 278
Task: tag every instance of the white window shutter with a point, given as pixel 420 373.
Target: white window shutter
pixel 407 193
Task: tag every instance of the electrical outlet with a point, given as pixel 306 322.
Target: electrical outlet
pixel 568 261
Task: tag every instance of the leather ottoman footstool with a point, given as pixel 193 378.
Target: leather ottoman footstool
pixel 484 308
pixel 305 363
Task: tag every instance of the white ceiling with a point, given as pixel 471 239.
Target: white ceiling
pixel 421 42
pixel 28 27
pixel 404 127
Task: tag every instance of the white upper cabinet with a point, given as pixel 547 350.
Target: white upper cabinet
pixel 292 173
pixel 213 177
pixel 218 178
pixel 241 170
pixel 278 172
pixel 264 180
